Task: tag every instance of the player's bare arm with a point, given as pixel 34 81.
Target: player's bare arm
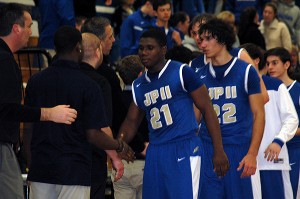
pixel 203 103
pixel 246 57
pixel 249 162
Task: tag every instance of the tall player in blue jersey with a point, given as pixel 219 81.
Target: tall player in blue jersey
pixel 166 93
pixel 234 88
pixel 202 60
pixel 278 61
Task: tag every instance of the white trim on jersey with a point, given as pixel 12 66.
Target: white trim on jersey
pixel 181 77
pixel 291 86
pixel 287 186
pixel 230 67
pixel 240 52
pixel 213 72
pixel 205 60
pixel 164 68
pixel 246 77
pixel 133 94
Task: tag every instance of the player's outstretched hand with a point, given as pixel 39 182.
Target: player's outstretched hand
pixel 249 163
pixel 59 114
pixel 272 152
pixel 118 166
pixel 221 163
pixel 126 152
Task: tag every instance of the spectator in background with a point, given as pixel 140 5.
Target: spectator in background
pixel 54 14
pixel 79 21
pixel 133 27
pixel 121 13
pixel 180 21
pixel 248 31
pixel 237 6
pixel 130 186
pixel 162 10
pixel 191 7
pixel 275 32
pixel 290 14
pixel 294 71
pixel 229 18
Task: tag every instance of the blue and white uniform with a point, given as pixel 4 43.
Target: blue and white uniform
pixel 174 153
pixel 280 126
pixel 201 60
pixel 294 144
pixel 229 87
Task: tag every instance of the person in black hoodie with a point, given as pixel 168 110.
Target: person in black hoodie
pixel 248 31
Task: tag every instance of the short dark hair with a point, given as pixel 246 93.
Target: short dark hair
pixel 177 17
pixel 157 3
pixel 96 26
pixel 66 38
pixel 130 68
pixel 255 52
pixel 156 34
pixel 219 30
pixel 283 54
pixel 10 14
pixel 180 53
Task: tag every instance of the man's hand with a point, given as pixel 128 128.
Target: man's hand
pixel 118 166
pixel 221 163
pixel 249 163
pixel 272 152
pixel 125 152
pixel 59 114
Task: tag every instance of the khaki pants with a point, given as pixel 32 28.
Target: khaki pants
pixel 131 184
pixel 11 182
pixel 52 191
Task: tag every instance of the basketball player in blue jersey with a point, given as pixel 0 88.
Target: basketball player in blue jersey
pixel 202 60
pixel 234 88
pixel 278 61
pixel 166 94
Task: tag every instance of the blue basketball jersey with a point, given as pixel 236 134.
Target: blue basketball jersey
pixel 294 90
pixel 167 103
pixel 229 87
pixel 200 61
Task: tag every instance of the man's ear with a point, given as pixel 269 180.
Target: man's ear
pixel 287 64
pixel 164 50
pixel 16 28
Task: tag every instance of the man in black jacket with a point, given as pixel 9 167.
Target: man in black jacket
pixel 15 30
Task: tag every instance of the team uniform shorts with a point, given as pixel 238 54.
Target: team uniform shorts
pixel 172 170
pixel 232 185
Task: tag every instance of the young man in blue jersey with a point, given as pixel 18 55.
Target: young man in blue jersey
pixel 202 60
pixel 234 87
pixel 278 61
pixel 163 10
pixel 133 27
pixel 166 94
pixel 281 125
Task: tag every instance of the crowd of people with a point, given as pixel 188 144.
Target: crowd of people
pixel 184 103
